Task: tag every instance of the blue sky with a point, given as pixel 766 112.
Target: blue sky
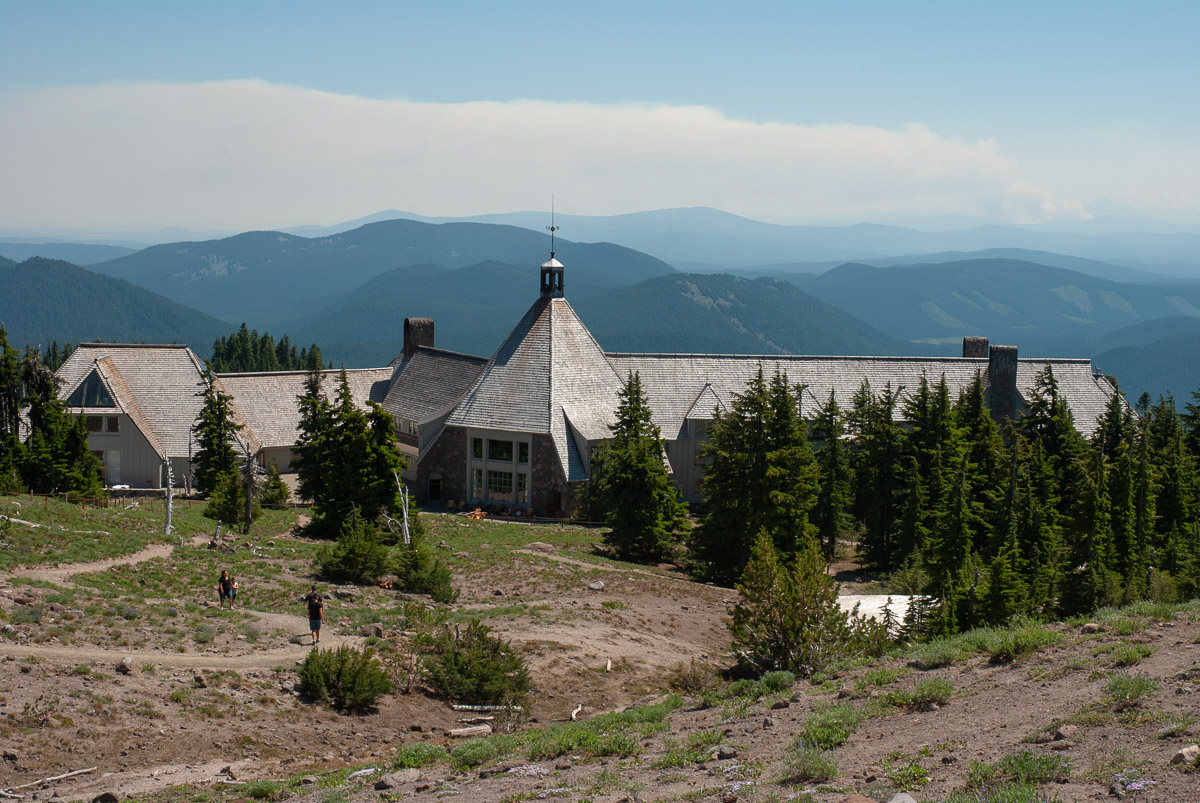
pixel 1021 111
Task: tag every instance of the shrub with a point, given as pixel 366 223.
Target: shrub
pixel 358 556
pixel 809 764
pixel 421 572
pixel 1020 640
pixel 788 616
pixel 777 680
pixel 418 754
pixel 830 727
pixel 1028 767
pixel 1126 691
pixel 934 690
pixel 227 502
pixel 471 665
pixel 475 752
pixel 348 678
pixel 1125 654
pixel 692 678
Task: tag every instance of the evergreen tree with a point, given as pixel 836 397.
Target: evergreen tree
pixel 1089 582
pixel 12 395
pixel 788 615
pixel 215 431
pixel 643 510
pixel 762 477
pixel 831 513
pixel 56 457
pixel 879 479
pixel 346 459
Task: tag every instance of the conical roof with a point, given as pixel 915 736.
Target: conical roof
pixel 548 377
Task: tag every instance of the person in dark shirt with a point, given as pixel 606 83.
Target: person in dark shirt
pixel 225 589
pixel 316 613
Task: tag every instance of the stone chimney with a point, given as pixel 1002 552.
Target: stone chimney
pixel 417 332
pixel 975 347
pixel 1002 381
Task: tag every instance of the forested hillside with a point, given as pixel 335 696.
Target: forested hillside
pixel 1044 310
pixel 46 300
pixel 272 278
pixel 718 313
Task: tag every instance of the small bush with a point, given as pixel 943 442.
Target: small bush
pixel 275 492
pixel 358 556
pixel 692 678
pixel 1129 654
pixel 419 571
pixel 477 752
pixel 1176 726
pixel 809 764
pixel 265 790
pixel 418 754
pixel 934 690
pixel 1028 767
pixel 777 681
pixel 470 665
pixel 1020 640
pixel 1126 691
pixel 1008 793
pixel 830 727
pixel 350 679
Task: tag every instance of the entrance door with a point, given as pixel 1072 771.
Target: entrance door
pixel 435 490
pixel 112 467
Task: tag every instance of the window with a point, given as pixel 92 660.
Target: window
pixel 522 489
pixel 91 393
pixel 500 484
pixel 476 483
pixel 114 424
pixel 523 453
pixel 477 448
pixel 501 451
pixel 95 423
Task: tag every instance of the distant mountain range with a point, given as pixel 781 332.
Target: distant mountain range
pixel 75 253
pixel 46 300
pixel 275 278
pixel 349 291
pixel 701 238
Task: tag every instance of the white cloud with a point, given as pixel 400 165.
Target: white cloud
pixel 244 154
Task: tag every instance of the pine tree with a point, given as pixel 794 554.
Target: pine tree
pixel 56 457
pixel 788 615
pixel 878 463
pixel 643 510
pixel 346 459
pixel 215 431
pixel 762 478
pixel 831 513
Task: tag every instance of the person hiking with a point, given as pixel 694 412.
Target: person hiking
pixel 233 591
pixel 316 614
pixel 225 589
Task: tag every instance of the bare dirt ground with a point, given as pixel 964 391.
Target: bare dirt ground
pixel 195 716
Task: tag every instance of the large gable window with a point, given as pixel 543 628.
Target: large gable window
pixel 498 468
pixel 91 393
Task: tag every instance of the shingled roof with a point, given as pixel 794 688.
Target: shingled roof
pixel 268 401
pixel 548 377
pixel 165 381
pixel 682 386
pixel 428 382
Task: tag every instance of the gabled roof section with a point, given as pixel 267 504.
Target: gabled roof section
pixel 164 381
pixel 550 367
pixel 103 383
pixel 268 402
pixel 678 385
pixel 429 381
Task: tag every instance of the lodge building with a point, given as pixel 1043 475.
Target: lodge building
pixel 515 430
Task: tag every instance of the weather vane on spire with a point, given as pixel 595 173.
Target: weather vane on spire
pixel 552 228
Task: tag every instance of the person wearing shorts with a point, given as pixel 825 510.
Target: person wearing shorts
pixel 233 589
pixel 316 614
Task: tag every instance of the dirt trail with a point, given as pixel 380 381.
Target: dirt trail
pixel 61 575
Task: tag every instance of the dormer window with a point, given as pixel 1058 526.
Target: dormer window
pixel 91 393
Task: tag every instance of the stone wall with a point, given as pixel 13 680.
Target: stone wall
pixel 448 457
pixel 551 492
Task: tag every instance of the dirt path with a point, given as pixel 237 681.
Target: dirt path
pixel 261 656
pixel 61 575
